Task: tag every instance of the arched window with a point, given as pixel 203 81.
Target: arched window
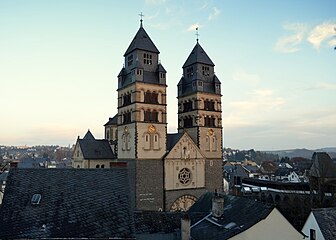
pixel 147 141
pixel 97 166
pixel 108 134
pixel 156 143
pixel 207 143
pixel 102 166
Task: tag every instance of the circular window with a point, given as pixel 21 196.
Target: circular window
pixel 184 176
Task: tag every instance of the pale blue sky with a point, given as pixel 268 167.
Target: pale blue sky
pixel 59 62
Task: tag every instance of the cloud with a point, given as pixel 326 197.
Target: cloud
pixel 326 86
pixel 193 27
pixel 215 13
pixel 260 100
pixel 289 44
pixel 155 2
pixel 243 76
pixel 321 33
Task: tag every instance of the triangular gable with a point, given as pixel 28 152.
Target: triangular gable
pixel 185 148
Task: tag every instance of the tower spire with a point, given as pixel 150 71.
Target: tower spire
pixel 141 15
pixel 197 34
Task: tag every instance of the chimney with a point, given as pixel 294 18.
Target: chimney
pixel 185 227
pixel 217 205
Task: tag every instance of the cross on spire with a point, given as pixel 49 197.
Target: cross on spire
pixel 197 34
pixel 141 15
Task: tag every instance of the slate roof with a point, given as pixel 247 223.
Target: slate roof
pixel 89 136
pixel 75 203
pixel 141 41
pixel 112 121
pixel 326 219
pixel 161 68
pixel 323 165
pixel 172 139
pixel 198 55
pixel 96 149
pixel 239 215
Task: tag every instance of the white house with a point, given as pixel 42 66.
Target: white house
pixel 321 224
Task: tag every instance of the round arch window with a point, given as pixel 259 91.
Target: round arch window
pixel 184 176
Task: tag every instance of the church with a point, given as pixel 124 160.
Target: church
pixel 167 171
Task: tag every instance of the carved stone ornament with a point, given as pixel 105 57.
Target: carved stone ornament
pixel 183 203
pixel 151 129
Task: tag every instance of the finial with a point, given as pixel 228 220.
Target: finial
pixel 141 15
pixel 197 34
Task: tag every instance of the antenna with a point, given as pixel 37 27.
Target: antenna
pixel 141 15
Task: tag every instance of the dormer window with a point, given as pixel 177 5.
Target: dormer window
pixel 35 200
pixel 148 59
pixel 162 75
pixel 139 72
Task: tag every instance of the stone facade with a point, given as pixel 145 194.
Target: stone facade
pixel 168 172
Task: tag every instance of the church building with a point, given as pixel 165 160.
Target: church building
pixel 167 171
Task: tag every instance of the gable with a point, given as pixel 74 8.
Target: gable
pixel 185 148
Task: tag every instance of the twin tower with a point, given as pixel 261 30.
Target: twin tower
pixel 168 171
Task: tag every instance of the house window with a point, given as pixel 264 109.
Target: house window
pixel 187 106
pixel 127 99
pixel 108 134
pixel 312 234
pixel 127 117
pixel 148 59
pixel 77 153
pixel 200 84
pixel 194 84
pixel 151 97
pixel 162 75
pixel 209 105
pixel 130 60
pixel 151 116
pixel 36 198
pixel 139 72
pixel 205 71
pixel 189 72
pixel 209 121
pixel 187 122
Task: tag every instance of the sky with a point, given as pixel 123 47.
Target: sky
pixel 59 62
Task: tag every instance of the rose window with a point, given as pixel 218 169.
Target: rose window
pixel 184 176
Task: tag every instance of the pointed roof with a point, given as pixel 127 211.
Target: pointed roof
pixel 161 68
pixel 112 121
pixel 88 136
pixel 198 55
pixel 141 41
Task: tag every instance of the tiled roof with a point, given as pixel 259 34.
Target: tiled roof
pixel 141 41
pixel 96 149
pixel 198 55
pixel 93 203
pixel 326 219
pixel 239 215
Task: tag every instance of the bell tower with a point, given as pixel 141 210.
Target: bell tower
pixel 200 112
pixel 142 120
